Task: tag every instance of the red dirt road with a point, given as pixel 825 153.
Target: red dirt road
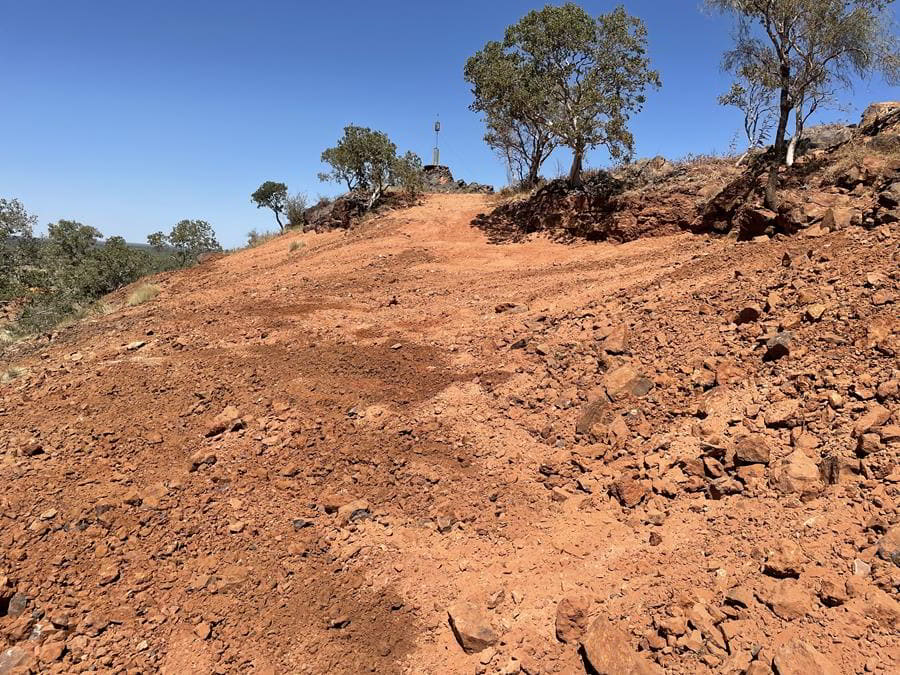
pixel 433 382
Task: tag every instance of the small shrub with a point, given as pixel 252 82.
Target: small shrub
pixel 143 294
pixel 297 245
pixel 12 373
pixel 255 238
pixel 295 210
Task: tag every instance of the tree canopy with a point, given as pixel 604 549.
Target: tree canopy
pixel 188 239
pixel 513 97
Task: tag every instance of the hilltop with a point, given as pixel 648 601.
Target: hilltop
pixel 380 446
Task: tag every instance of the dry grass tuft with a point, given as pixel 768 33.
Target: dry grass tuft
pixel 143 294
pixel 297 245
pixel 12 373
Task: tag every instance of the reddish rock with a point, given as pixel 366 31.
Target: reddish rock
pixel 609 652
pixel 471 627
pixel 789 600
pixel 875 416
pixel 797 474
pixel 799 658
pixel 785 559
pixel 629 491
pixel 783 413
pixel 572 617
pixel 226 420
pixel 752 449
pixel 617 341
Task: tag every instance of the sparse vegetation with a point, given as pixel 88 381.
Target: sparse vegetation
pixel 295 209
pixel 143 293
pixel 564 75
pixel 297 245
pixel 801 51
pixel 12 373
pixel 255 238
pixel 513 99
pixel 366 160
pixel 187 240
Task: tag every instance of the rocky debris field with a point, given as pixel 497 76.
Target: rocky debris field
pixel 401 448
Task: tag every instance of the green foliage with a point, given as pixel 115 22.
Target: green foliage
pixel 803 51
pixel 514 99
pixel 408 174
pixel 66 272
pixel 16 247
pixel 187 240
pixel 592 75
pixel 366 160
pixel 271 195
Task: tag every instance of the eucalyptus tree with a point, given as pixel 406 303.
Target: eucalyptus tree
pixel 593 73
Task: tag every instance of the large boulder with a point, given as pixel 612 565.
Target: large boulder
pixel 825 136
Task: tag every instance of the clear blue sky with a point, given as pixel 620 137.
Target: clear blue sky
pixel 130 116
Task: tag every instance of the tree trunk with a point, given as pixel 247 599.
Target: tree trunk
pixel 784 113
pixel 575 171
pixel 534 168
pixel 797 137
pixel 278 220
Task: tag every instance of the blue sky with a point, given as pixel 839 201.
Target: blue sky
pixel 130 116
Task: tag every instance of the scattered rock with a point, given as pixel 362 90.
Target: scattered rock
pixel 748 314
pixel 889 545
pixel 629 491
pixel 752 449
pixel 789 600
pixel 617 341
pixel 785 559
pixel 14 658
pixel 358 509
pixel 797 474
pixel 227 420
pixel 782 413
pixel 777 347
pixel 202 457
pixel 471 627
pixel 875 416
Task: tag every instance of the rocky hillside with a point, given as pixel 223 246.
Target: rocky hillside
pixel 401 448
pixel 845 175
